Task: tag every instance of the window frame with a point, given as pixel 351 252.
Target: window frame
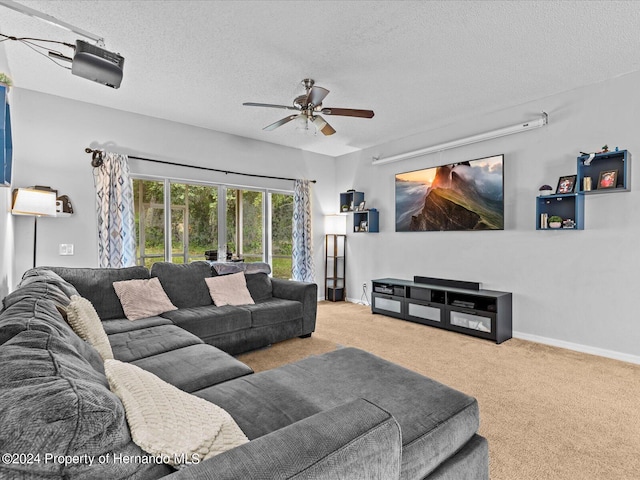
pixel 267 232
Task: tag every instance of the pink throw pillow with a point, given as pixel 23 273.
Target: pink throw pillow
pixel 142 298
pixel 229 290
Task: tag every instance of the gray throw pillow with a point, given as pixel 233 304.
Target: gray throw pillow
pixel 259 285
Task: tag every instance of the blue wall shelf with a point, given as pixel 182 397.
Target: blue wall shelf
pixel 567 206
pixel 601 163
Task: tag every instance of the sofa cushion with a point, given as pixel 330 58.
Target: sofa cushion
pixel 259 286
pixel 209 321
pixel 194 367
pixel 54 402
pixel 355 441
pixel 136 344
pixel 166 421
pixel 118 325
pixel 184 283
pixel 271 312
pixel 96 285
pixel 142 298
pixel 42 283
pixel 435 420
pixel 31 312
pixel 85 322
pixel 229 290
pixel 41 274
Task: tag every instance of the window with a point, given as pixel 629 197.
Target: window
pixel 281 227
pixel 149 212
pixel 257 223
pixel 245 224
pixel 194 221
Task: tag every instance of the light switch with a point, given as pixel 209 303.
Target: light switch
pixel 66 249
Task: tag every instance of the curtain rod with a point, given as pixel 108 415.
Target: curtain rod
pixel 96 161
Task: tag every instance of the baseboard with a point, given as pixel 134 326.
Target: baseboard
pixel 358 301
pixel 601 352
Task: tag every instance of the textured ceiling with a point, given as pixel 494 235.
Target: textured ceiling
pixel 418 65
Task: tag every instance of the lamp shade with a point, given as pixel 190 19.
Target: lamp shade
pixel 34 202
pixel 335 224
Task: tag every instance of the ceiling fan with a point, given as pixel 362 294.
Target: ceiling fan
pixel 309 106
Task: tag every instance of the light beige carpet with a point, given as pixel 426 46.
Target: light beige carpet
pixel 548 413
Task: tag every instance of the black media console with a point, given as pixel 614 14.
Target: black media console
pixel 458 306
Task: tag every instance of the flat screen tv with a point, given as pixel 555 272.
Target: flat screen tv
pixel 461 196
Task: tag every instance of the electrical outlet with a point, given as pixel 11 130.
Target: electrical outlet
pixel 65 249
pixel 364 285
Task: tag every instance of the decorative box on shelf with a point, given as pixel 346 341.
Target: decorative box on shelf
pixel 350 200
pixel 569 207
pixel 607 172
pixel 366 221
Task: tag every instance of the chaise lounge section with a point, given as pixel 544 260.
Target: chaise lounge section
pixel 346 414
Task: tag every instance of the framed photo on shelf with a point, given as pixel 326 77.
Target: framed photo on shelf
pixel 607 179
pixel 361 206
pixel 566 184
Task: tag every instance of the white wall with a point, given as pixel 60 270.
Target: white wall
pixel 51 133
pixel 569 286
pixel 579 287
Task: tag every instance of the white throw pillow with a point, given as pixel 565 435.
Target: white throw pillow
pixel 85 322
pixel 229 290
pixel 143 298
pixel 166 421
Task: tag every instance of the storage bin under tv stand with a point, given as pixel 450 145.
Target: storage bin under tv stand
pixel 476 312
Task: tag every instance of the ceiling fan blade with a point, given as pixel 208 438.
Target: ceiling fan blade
pixel 269 105
pixel 322 125
pixel 279 123
pixel 348 112
pixel 316 95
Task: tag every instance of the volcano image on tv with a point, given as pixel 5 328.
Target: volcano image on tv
pixel 460 196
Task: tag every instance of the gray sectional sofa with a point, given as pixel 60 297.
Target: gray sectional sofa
pixel 343 415
pixel 283 309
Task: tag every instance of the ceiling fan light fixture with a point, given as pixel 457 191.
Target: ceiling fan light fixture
pixel 307 105
pixel 302 124
pixel 306 126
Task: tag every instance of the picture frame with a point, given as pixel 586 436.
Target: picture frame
pixel 566 184
pixel 361 206
pixel 608 179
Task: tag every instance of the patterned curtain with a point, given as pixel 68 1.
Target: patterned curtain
pixel 114 204
pixel 302 256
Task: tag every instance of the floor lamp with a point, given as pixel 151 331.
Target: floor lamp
pixel 34 203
